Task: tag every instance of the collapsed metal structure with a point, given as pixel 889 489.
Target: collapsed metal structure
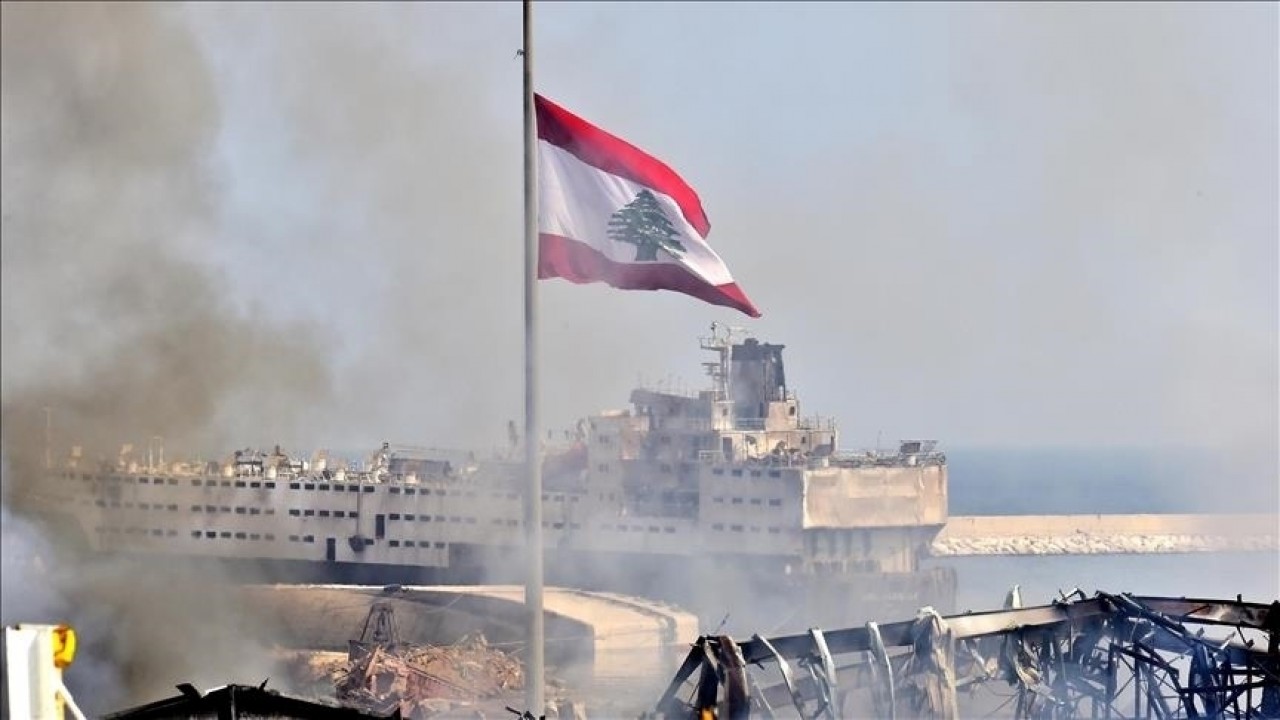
pixel 1109 656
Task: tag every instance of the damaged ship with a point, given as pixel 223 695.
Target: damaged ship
pixel 688 498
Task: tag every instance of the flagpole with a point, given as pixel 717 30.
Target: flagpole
pixel 534 680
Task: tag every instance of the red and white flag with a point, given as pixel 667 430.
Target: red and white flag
pixel 609 212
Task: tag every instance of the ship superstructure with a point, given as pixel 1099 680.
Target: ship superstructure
pixel 732 476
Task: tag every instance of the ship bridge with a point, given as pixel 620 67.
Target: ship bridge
pixel 747 414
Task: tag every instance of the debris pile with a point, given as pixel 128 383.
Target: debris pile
pixel 422 681
pixel 381 674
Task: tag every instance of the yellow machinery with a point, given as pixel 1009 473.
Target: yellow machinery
pixel 35 656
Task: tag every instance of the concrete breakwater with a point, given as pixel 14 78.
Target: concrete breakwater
pixel 1106 534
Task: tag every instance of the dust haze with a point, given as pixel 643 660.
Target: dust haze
pixel 112 322
pixel 1002 225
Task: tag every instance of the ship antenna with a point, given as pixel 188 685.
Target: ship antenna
pixel 726 361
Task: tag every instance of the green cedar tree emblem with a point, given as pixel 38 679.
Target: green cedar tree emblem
pixel 642 223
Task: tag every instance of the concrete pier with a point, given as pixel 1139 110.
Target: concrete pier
pixel 606 634
pixel 1106 534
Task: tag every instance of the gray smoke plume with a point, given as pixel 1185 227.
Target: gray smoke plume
pixel 110 317
pixel 115 326
pixel 415 253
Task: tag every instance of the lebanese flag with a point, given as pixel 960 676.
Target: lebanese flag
pixel 609 212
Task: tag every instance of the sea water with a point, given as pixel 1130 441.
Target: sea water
pixel 1068 481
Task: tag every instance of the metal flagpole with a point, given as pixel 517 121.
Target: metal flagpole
pixel 534 681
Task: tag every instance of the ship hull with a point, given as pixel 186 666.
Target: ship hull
pixel 735 594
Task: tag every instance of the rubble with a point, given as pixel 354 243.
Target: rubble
pixel 383 674
pixel 423 680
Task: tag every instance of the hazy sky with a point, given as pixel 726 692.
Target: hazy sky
pixel 1014 224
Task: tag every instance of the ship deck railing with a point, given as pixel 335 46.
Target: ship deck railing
pixel 706 424
pixel 808 462
pixel 714 457
pixel 810 423
pixel 876 459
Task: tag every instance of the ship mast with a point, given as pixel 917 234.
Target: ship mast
pixel 719 370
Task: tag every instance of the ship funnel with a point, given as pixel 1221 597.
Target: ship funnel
pixel 756 378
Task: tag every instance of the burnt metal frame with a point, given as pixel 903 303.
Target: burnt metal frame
pixel 1076 658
